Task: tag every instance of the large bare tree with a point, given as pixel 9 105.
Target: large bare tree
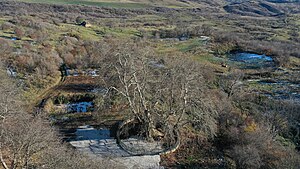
pixel 160 91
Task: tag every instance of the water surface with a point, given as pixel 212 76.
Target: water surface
pixel 251 60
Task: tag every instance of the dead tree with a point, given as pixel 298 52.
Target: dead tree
pixel 231 83
pixel 168 94
pixel 134 77
pixel 8 93
pixel 183 96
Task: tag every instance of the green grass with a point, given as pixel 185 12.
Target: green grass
pixel 6 35
pixel 206 57
pixel 94 33
pixel 83 32
pixel 190 45
pixel 118 32
pixel 2 20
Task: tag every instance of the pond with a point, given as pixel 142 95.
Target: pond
pixel 250 60
pixel 90 133
pixel 80 107
pixel 279 85
pixel 75 107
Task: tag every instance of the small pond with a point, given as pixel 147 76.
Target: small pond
pixel 250 60
pixel 274 87
pixel 86 132
pixel 90 133
pixel 80 107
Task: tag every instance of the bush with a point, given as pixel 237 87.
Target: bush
pixel 246 157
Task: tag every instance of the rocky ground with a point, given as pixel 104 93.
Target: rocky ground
pixel 97 143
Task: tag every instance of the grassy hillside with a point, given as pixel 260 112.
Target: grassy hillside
pixel 121 3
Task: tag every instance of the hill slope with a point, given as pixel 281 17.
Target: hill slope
pixel 263 7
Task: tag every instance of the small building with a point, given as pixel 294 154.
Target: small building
pixel 85 24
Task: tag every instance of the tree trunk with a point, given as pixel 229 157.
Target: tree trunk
pixel 2 160
pixel 149 127
pixel 27 158
pixel 1 155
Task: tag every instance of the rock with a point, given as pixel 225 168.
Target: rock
pixel 109 148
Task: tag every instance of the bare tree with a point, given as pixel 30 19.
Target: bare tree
pixel 25 137
pixel 182 96
pixel 8 105
pixel 135 77
pixel 166 92
pixel 231 83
